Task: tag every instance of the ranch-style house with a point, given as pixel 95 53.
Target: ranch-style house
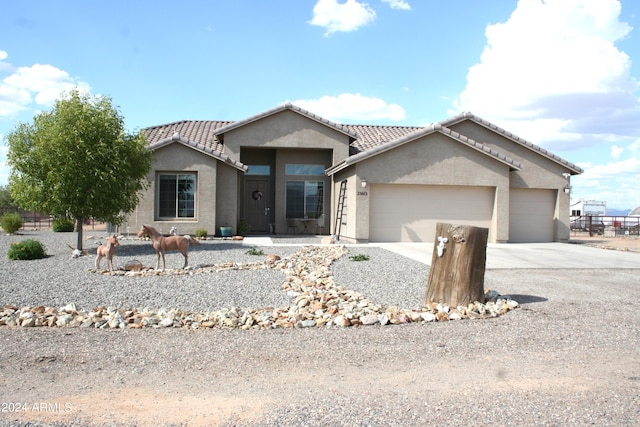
pixel 289 171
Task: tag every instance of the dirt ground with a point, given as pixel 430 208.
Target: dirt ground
pixel 563 358
pixel 630 243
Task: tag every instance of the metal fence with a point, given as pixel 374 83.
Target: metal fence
pixel 39 221
pixel 608 226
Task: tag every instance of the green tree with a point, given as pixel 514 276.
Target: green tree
pixel 77 161
pixel 6 201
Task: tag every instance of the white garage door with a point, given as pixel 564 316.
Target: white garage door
pixel 531 215
pixel 409 213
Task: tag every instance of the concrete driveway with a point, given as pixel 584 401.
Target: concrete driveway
pixel 531 255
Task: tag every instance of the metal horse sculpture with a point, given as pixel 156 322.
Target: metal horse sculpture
pixel 161 244
pixel 107 251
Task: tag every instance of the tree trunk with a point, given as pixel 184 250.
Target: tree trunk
pixel 79 223
pixel 456 276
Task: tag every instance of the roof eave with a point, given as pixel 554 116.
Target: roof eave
pixel 574 169
pixel 287 106
pixel 218 155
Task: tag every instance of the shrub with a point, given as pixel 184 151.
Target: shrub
pixel 27 249
pixel 254 251
pixel 359 257
pixel 243 227
pixel 201 233
pixel 63 225
pixel 11 222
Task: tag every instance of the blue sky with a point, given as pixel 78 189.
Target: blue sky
pixel 563 74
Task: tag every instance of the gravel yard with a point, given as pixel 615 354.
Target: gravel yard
pixel 569 356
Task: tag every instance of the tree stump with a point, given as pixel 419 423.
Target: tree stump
pixel 456 276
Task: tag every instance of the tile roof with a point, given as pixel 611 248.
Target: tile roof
pixel 366 140
pixel 370 136
pixel 196 134
pixel 199 131
pixel 470 116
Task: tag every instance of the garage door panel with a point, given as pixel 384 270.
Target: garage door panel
pixel 531 213
pixel 410 212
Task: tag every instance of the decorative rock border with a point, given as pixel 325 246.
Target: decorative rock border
pixel 316 302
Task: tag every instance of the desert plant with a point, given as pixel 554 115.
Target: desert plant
pixel 243 227
pixel 63 225
pixel 11 222
pixel 27 249
pixel 201 233
pixel 254 251
pixel 359 257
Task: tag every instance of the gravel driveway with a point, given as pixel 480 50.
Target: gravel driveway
pixel 570 355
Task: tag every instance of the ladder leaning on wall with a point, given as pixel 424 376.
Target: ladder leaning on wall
pixel 340 209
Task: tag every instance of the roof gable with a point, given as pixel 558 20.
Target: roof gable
pixel 287 106
pixel 208 150
pixel 521 141
pixel 421 132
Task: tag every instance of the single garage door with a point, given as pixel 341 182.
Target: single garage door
pixel 409 213
pixel 531 215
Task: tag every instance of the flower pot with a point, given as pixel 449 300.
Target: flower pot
pixel 226 231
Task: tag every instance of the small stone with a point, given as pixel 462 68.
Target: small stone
pixel 383 319
pixel 69 308
pixel 428 316
pixel 271 258
pixel 308 323
pixel 441 316
pixel 28 323
pixel 341 321
pixel 166 322
pixel 87 323
pixel 369 319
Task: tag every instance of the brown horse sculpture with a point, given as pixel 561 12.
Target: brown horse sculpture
pixel 161 244
pixel 107 251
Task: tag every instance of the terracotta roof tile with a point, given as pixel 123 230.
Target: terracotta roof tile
pixel 198 131
pixel 370 136
pixel 366 140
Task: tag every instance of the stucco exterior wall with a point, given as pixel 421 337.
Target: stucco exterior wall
pixel 225 193
pixel 537 170
pixel 176 158
pixel 437 160
pixel 286 129
pixel 348 228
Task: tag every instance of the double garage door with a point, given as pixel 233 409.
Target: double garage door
pixel 409 213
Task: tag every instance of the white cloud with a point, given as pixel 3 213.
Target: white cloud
pixel 398 4
pixel 352 108
pixel 616 151
pixel 553 75
pixel 345 17
pixel 39 84
pixel 614 182
pixel 556 61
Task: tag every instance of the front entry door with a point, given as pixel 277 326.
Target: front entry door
pixel 256 204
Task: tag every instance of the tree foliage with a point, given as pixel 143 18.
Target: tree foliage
pixel 6 200
pixel 77 161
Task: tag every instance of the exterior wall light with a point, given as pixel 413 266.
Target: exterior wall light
pixel 363 182
pixel 567 189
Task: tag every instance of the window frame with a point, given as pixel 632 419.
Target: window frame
pixel 307 174
pixel 188 204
